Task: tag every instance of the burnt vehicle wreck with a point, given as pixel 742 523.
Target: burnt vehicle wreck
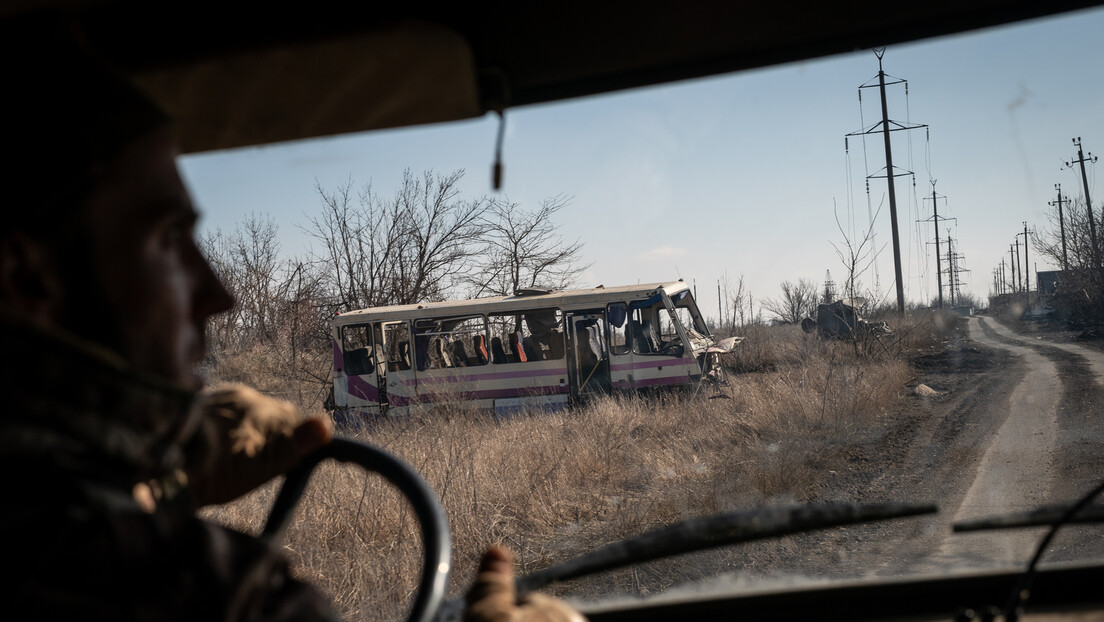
pixel 841 320
pixel 235 81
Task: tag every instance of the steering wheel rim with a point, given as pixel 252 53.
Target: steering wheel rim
pixel 427 509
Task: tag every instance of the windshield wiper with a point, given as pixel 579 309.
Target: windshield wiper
pixel 697 534
pixel 1041 516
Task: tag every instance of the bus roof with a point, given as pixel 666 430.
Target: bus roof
pixel 563 299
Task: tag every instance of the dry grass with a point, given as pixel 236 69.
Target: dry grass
pixel 552 486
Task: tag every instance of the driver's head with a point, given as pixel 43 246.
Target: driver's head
pixel 96 238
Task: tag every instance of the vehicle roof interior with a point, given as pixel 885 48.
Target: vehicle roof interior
pixel 236 76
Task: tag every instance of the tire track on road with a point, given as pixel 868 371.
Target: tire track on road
pixel 1016 471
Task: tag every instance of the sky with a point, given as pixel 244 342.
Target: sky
pixel 746 174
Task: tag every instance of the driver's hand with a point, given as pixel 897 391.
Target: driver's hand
pixel 246 439
pixel 493 598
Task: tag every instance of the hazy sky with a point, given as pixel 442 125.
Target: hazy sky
pixel 743 173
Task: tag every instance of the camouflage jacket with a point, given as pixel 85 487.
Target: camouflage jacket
pixel 78 433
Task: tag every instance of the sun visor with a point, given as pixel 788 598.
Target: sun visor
pixel 406 74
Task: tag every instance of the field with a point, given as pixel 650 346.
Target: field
pixel 552 486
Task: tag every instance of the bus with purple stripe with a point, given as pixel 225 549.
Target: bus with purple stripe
pixel 537 349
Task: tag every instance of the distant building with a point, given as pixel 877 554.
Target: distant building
pixel 1046 283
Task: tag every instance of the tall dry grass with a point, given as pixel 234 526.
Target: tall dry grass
pixel 554 485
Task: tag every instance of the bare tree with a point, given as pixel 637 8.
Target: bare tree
pixel 798 301
pixel 1080 295
pixel 412 248
pixel 248 264
pixel 523 248
pixel 857 257
pixel 736 311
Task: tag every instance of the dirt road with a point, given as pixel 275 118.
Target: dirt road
pixel 1017 422
pixel 1024 432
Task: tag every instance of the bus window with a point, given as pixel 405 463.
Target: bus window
pixel 617 317
pixel 356 344
pixel 443 343
pixel 464 341
pixel 689 315
pixel 544 331
pixel 397 345
pixel 642 332
pixel 534 335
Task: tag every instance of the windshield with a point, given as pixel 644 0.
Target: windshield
pixel 766 192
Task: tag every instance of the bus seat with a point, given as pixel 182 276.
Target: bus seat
pixel 650 336
pixel 459 354
pixel 437 357
pixel 497 353
pixel 517 353
pixel 532 349
pixel 555 345
pixel 639 342
pixel 479 343
pixel 357 362
pixel 380 360
pixel 446 353
pixel 595 339
pixel 404 355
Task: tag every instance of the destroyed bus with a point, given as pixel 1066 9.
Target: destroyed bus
pixel 537 348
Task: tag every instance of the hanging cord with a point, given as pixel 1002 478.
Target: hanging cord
pixel 496 172
pixel 1022 591
pixel 497 98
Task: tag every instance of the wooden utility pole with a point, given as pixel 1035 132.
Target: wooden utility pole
pixel 1088 201
pixel 1061 224
pixel 1019 266
pixel 1027 263
pixel 1012 265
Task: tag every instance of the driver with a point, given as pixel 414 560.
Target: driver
pixel 108 442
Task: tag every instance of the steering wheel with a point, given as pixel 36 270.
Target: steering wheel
pixel 431 518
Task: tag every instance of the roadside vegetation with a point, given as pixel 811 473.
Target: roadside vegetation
pixel 554 485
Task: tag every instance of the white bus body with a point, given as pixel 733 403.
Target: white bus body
pixel 542 349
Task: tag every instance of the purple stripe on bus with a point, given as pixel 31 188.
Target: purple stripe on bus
pixel 424 379
pixel 339 357
pixel 358 387
pixel 653 363
pixel 492 394
pixel 652 382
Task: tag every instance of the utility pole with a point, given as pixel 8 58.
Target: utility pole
pixel 954 284
pixel 720 317
pixel 890 174
pixel 1003 278
pixel 935 218
pixel 1027 263
pixel 1061 224
pixel 1019 266
pixel 889 178
pixel 1012 265
pixel 1088 202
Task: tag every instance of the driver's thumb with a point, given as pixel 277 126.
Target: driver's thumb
pixel 492 597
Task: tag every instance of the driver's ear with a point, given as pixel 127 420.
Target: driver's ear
pixel 30 277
